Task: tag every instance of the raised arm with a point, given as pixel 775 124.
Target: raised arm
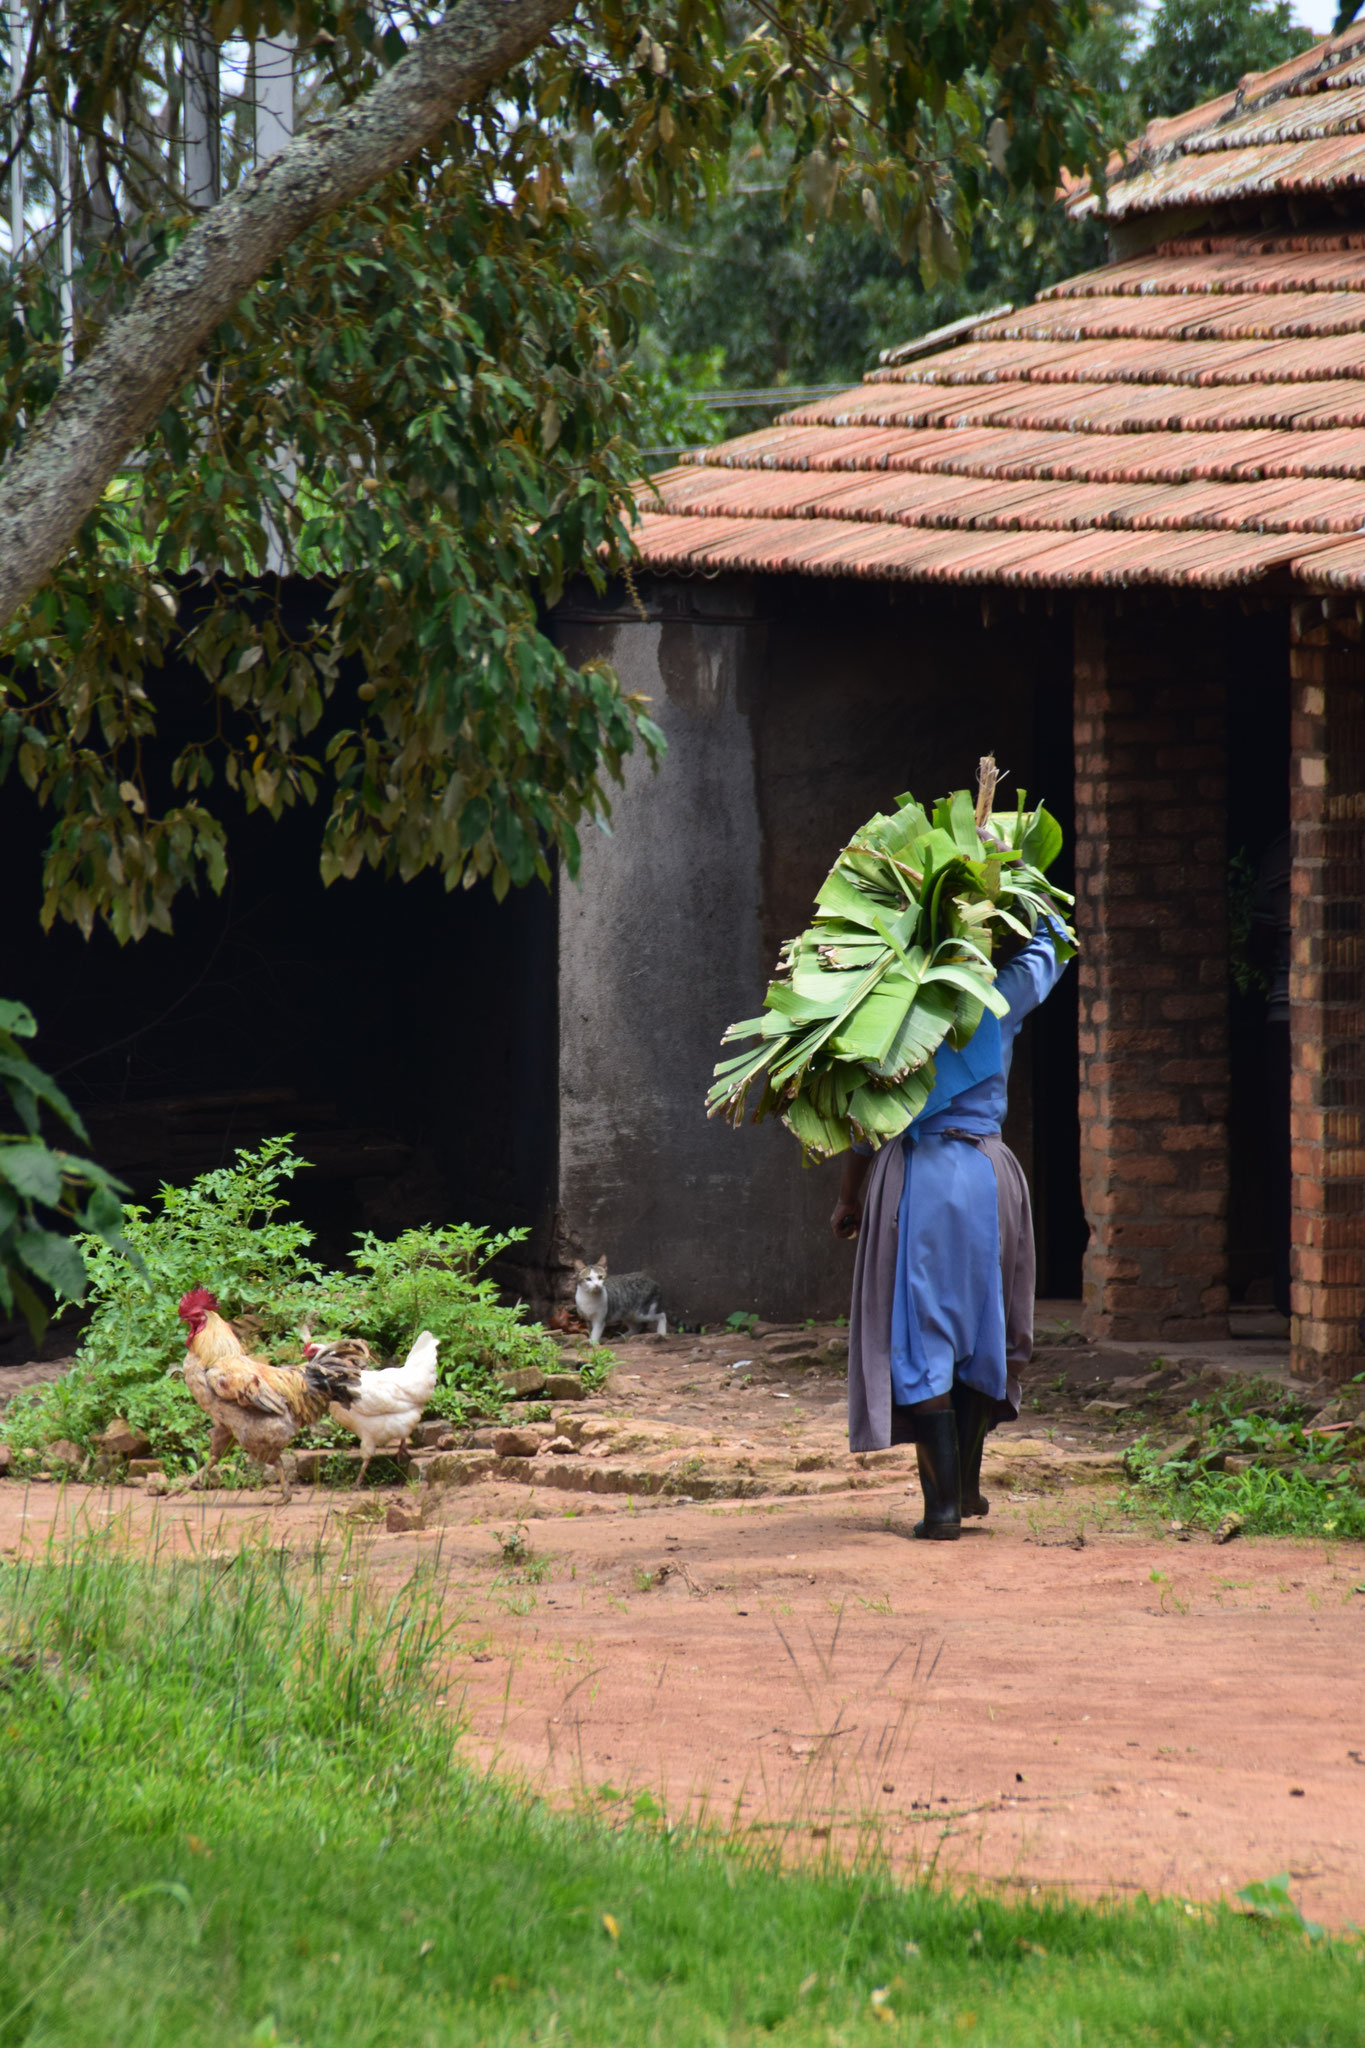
pixel 1030 977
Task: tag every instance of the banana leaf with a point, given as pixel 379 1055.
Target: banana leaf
pixel 898 959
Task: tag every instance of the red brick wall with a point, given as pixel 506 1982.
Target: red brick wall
pixel 1327 993
pixel 1151 866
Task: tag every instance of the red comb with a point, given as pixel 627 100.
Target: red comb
pixel 197 1299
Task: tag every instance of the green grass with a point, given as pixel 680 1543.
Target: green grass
pixel 232 1811
pixel 1295 1484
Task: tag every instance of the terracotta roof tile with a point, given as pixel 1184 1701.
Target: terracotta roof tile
pixel 1293 119
pixel 1337 568
pixel 1298 128
pixel 1318 264
pixel 1121 359
pixel 1323 165
pixel 1061 456
pixel 973 501
pixel 1242 315
pixel 1112 407
pixel 836 548
pixel 1193 417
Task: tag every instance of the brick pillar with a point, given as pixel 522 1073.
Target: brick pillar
pixel 1151 867
pixel 1327 993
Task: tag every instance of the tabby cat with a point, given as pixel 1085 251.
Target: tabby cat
pixel 630 1298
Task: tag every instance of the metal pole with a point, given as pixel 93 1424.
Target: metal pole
pixel 272 93
pixel 66 203
pixel 18 54
pixel 272 77
pixel 200 65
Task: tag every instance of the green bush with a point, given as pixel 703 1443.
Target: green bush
pixel 433 1280
pixel 229 1230
pixel 1284 1481
pixel 37 1261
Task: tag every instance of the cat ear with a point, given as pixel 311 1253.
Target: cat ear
pixel 579 1267
pixel 602 1267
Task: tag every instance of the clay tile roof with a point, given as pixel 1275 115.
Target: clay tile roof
pixel 1297 129
pixel 1194 416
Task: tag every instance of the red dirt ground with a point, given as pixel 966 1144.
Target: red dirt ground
pixel 1135 1714
pixel 1065 1698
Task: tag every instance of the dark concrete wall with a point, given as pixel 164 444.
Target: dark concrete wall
pixel 793 711
pixel 660 947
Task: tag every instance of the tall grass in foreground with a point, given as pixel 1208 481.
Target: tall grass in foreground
pixel 232 1811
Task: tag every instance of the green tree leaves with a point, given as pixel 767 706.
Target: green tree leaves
pixel 750 295
pixel 430 408
pixel 1198 49
pixel 402 376
pixel 35 1260
pixel 230 1230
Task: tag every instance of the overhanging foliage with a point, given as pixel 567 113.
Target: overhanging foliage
pixel 421 409
pixel 429 401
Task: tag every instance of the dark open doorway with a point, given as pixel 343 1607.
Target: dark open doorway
pixel 1060 1227
pixel 1258 818
pixel 406 1034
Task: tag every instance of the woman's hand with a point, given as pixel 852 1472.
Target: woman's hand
pixel 847 1218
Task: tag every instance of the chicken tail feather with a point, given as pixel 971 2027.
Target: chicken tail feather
pixel 333 1381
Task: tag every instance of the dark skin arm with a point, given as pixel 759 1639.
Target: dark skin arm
pixel 847 1216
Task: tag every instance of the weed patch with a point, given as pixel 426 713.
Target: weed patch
pixel 1253 1461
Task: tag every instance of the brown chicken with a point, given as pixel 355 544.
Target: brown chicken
pixel 261 1406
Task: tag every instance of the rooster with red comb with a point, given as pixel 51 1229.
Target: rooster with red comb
pixel 249 1401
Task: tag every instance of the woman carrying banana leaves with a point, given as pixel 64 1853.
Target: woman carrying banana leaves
pixel 890 1023
pixel 944 1276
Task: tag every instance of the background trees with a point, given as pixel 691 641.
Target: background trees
pixel 427 404
pixel 1198 49
pixel 748 295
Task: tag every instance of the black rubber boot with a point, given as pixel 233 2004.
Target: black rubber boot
pixel 936 1451
pixel 974 1415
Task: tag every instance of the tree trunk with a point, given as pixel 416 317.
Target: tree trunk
pixel 106 405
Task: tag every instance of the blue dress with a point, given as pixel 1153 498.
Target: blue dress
pixel 948 1312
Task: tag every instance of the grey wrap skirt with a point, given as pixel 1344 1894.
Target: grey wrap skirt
pixel 874 1288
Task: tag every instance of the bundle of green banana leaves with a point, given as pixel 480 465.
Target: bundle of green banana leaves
pixel 897 960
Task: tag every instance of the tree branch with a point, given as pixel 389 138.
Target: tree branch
pixel 102 410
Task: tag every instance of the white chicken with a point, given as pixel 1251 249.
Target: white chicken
pixel 382 1406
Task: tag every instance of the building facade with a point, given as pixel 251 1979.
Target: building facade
pixel 1117 536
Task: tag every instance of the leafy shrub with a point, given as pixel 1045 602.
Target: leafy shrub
pixel 434 1280
pixel 229 1230
pixel 1285 1480
pixel 35 1259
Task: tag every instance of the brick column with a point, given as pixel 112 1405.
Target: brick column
pixel 1151 867
pixel 1327 993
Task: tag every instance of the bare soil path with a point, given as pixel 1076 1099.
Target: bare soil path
pixel 1067 1697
